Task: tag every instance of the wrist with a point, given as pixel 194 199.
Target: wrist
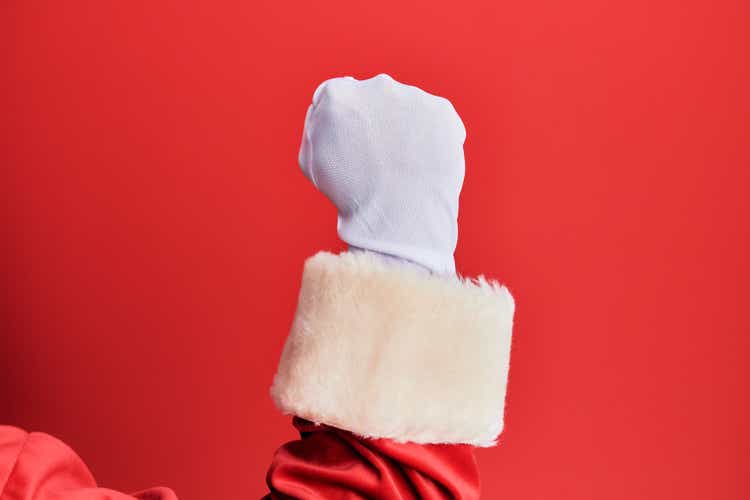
pixel 396 260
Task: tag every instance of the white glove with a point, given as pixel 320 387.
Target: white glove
pixel 390 157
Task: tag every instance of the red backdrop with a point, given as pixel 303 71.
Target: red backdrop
pixel 154 225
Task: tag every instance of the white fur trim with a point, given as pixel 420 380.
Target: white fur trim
pixel 392 352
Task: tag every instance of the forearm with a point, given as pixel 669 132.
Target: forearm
pixel 330 463
pixel 394 360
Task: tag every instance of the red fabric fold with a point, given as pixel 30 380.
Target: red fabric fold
pixel 40 467
pixel 325 464
pixel 331 464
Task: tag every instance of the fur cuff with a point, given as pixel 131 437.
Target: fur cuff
pixel 389 351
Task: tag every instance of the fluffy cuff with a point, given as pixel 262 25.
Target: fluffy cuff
pixel 389 351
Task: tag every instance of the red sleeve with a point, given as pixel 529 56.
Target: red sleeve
pixel 331 464
pixel 416 363
pixel 40 467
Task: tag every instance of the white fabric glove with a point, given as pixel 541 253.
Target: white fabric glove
pixel 390 157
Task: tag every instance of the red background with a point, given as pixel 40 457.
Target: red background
pixel 154 225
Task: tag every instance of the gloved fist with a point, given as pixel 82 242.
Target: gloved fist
pixel 390 157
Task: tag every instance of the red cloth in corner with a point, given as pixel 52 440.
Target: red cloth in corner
pixel 331 464
pixel 40 467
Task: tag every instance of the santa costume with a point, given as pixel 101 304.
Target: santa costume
pixel 395 367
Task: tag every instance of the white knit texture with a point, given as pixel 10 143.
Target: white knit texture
pixel 390 158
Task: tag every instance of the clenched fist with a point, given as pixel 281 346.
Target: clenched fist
pixel 390 157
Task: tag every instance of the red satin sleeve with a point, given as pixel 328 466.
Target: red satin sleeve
pixel 40 467
pixel 330 464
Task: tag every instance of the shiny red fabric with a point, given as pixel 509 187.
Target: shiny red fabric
pixel 40 467
pixel 325 464
pixel 331 464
